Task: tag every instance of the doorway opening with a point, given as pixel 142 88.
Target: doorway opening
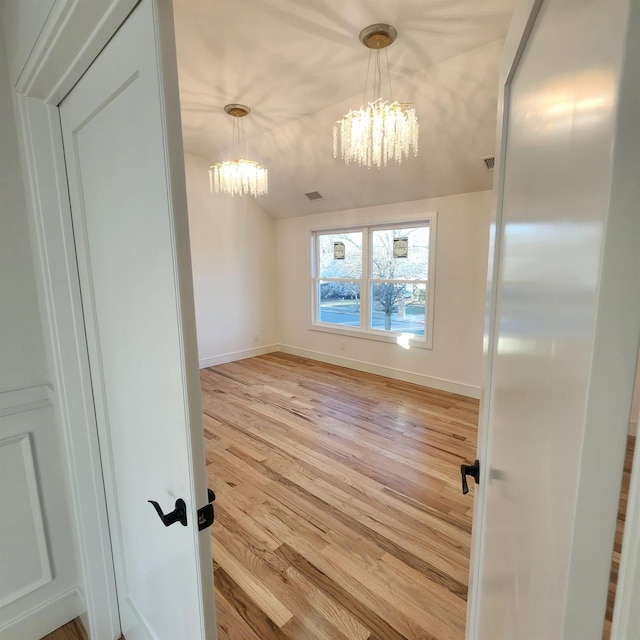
pixel 339 501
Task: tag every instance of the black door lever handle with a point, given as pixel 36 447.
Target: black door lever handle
pixel 206 515
pixel 472 470
pixel 179 514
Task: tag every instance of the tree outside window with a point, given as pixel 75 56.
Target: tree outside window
pixel 398 282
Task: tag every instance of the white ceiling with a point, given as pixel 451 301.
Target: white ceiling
pixel 300 66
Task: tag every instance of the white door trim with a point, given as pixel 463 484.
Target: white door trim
pixel 524 17
pixel 73 36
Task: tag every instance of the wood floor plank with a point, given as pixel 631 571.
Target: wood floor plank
pixel 231 625
pixel 334 612
pixel 295 591
pixel 274 575
pixel 368 617
pixel 243 604
pixel 247 577
pixel 433 610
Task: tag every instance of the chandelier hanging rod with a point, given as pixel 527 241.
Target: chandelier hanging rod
pixel 377 37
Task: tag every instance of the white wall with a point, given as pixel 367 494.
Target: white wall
pixel 38 570
pixel 455 361
pixel 234 275
pixel 22 355
pixel 26 17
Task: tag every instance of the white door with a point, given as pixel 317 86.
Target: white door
pixel 564 325
pixel 121 132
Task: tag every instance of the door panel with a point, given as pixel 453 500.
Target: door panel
pixel 561 125
pixel 133 258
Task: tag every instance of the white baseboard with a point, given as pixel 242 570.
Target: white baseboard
pixel 212 361
pixel 633 427
pixel 396 374
pixel 45 618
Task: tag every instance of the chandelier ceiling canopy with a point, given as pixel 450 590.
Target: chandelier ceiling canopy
pixel 238 176
pixel 382 129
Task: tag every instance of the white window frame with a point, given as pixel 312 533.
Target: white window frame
pixel 405 339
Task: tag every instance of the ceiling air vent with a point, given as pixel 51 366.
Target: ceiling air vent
pixel 314 195
pixel 489 162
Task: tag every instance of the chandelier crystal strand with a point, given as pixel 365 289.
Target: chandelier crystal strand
pixel 239 177
pixel 376 134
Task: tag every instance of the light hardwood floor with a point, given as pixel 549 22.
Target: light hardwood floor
pixel 338 512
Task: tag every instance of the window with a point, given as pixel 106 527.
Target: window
pixel 375 281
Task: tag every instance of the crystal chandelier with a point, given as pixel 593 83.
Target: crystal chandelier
pixel 242 176
pixel 383 130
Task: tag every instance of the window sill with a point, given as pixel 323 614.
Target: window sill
pixel 378 336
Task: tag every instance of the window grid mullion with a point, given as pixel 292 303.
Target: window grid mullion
pixel 316 281
pixel 397 281
pixel 365 308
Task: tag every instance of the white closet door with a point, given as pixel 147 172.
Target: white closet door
pixel 121 131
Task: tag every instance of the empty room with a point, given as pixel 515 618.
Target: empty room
pixel 339 306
